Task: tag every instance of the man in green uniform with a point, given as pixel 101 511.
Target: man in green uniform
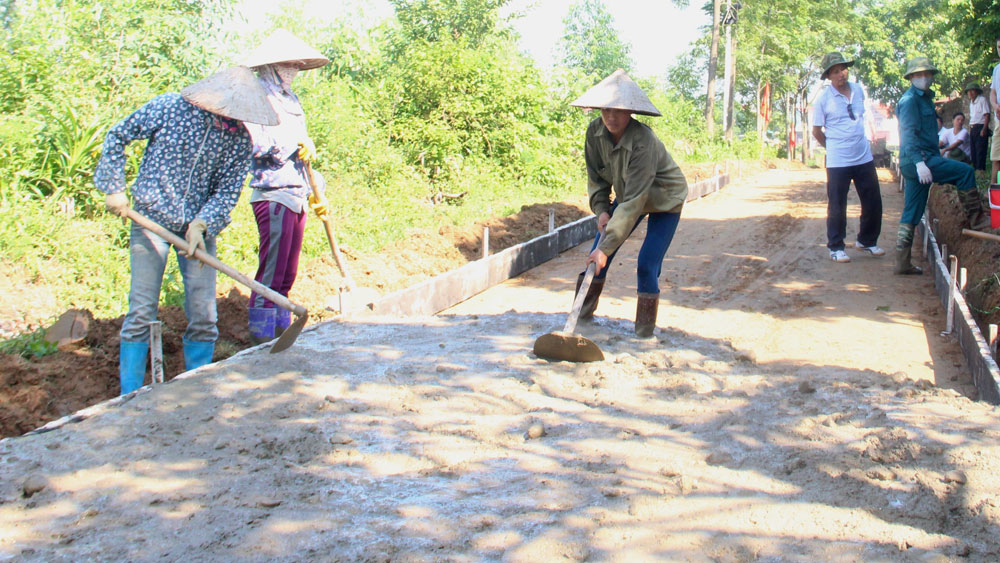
pixel 625 159
pixel 921 163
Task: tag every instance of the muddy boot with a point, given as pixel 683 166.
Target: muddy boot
pixel 593 295
pixel 645 314
pixel 904 249
pixel 972 204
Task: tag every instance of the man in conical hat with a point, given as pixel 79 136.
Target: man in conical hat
pixel 190 178
pixel 279 178
pixel 630 176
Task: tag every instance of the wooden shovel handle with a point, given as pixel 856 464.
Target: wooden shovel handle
pixel 351 286
pixel 978 234
pixel 277 298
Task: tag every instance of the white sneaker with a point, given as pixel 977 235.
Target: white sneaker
pixel 874 250
pixel 839 256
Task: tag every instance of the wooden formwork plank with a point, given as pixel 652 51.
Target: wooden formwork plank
pixel 975 348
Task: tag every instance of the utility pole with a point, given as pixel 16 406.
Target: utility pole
pixel 713 67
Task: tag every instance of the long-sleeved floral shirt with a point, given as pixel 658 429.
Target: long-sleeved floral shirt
pixel 194 166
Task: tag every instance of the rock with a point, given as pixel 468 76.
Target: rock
pixel 881 474
pixel 268 503
pixel 536 430
pixel 746 357
pixel 35 483
pixel 341 438
pixel 806 387
pixel 956 476
pixel 718 458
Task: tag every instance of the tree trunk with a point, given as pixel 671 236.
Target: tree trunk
pixel 731 88
pixel 789 117
pixel 805 126
pixel 713 64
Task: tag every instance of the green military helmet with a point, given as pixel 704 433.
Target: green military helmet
pixel 973 86
pixel 917 64
pixel 830 59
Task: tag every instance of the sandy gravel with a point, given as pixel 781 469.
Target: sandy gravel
pixel 789 408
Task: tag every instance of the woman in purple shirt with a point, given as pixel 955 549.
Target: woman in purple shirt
pixel 279 179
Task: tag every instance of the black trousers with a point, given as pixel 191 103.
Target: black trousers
pixel 838 184
pixel 980 146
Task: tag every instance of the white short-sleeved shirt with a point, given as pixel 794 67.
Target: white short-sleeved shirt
pixel 978 109
pixel 846 144
pixel 950 137
pixel 995 83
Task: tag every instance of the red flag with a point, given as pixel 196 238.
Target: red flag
pixel 765 102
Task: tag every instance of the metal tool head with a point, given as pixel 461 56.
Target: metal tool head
pixel 567 347
pixel 291 333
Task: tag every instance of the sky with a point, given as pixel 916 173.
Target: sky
pixel 657 31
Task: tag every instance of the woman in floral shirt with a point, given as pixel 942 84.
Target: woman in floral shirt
pixel 189 180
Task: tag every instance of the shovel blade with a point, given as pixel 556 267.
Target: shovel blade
pixel 291 333
pixel 567 347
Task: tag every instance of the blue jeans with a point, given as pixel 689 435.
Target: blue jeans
pixel 660 231
pixel 148 254
pixel 945 171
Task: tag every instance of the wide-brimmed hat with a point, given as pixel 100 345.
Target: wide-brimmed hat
pixel 973 86
pixel 617 91
pixel 830 59
pixel 284 47
pixel 234 93
pixel 917 64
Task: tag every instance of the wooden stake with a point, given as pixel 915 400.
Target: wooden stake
pixel 993 340
pixel 552 220
pixel 950 322
pixel 156 351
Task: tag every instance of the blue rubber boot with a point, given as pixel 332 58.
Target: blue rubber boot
pixel 132 364
pixel 282 319
pixel 262 322
pixel 197 354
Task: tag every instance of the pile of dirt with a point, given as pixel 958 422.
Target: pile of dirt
pixel 980 257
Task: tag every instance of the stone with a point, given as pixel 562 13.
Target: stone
pixel 35 483
pixel 536 430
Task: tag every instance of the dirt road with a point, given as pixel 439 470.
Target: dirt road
pixel 789 408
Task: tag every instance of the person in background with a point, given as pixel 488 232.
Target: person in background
pixel 839 125
pixel 979 118
pixel 995 117
pixel 279 177
pixel 942 130
pixel 956 141
pixel 191 176
pixel 630 176
pixel 921 163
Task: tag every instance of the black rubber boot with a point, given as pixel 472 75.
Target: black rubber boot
pixel 972 204
pixel 903 265
pixel 645 314
pixel 593 295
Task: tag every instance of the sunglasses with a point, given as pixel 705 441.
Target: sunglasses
pixel 850 112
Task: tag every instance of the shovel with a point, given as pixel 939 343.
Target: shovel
pixel 288 337
pixel 564 345
pixel 364 295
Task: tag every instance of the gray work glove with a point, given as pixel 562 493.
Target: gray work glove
pixel 195 237
pixel 117 204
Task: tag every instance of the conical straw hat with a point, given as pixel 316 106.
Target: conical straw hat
pixel 617 91
pixel 283 47
pixel 234 93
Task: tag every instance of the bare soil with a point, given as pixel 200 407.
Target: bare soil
pixel 788 408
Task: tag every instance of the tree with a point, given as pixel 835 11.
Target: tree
pixel 713 63
pixel 590 42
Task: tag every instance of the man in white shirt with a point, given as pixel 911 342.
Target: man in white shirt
pixel 839 125
pixel 956 141
pixel 979 116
